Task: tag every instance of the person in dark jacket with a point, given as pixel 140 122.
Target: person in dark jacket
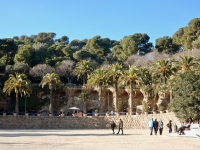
pixel 113 125
pixel 169 125
pixel 155 126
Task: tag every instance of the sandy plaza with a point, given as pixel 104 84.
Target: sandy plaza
pixel 93 139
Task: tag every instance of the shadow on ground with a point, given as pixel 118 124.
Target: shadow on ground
pixel 39 134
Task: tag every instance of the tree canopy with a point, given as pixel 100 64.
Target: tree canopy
pixel 186 35
pixel 186 102
pixel 136 43
pixel 42 54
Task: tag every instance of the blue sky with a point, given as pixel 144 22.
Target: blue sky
pixel 80 19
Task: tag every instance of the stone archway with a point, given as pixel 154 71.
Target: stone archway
pixel 94 102
pixel 137 99
pixel 122 100
pixel 107 100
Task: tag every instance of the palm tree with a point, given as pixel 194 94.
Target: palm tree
pixel 114 73
pixel 53 80
pixel 163 69
pixel 144 80
pixel 170 84
pixel 85 97
pixel 83 69
pixel 186 63
pixel 99 79
pixel 20 84
pixel 130 77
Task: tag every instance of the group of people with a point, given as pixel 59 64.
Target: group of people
pixel 32 113
pixel 153 125
pixel 158 125
pixel 113 125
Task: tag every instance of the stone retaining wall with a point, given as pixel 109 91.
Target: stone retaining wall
pixel 89 122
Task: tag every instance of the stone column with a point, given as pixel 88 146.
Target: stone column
pixel 148 98
pixel 99 90
pixel 130 100
pixel 114 97
pixel 164 98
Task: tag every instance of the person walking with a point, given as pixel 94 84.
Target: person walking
pixel 169 125
pixel 113 125
pixel 120 126
pixel 150 124
pixel 155 126
pixel 160 127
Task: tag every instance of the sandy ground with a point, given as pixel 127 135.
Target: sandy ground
pixel 93 139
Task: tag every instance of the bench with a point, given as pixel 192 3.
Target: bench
pixel 193 131
pixel 188 127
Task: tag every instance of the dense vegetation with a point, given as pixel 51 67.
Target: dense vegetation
pixel 186 102
pixel 132 61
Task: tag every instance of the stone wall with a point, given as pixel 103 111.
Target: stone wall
pixel 88 122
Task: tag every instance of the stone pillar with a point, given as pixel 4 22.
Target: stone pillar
pixel 114 97
pixel 148 98
pixel 99 90
pixel 130 99
pixel 164 97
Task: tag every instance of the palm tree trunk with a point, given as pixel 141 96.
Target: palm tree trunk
pixel 17 103
pixel 51 101
pixel 100 99
pixel 131 98
pixel 165 77
pixel 170 91
pixel 84 78
pixel 85 110
pixel 116 95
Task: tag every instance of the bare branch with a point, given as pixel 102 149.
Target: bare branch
pixel 41 70
pixel 65 69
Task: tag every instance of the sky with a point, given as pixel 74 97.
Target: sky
pixel 84 19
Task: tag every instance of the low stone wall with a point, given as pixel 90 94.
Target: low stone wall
pixel 89 122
